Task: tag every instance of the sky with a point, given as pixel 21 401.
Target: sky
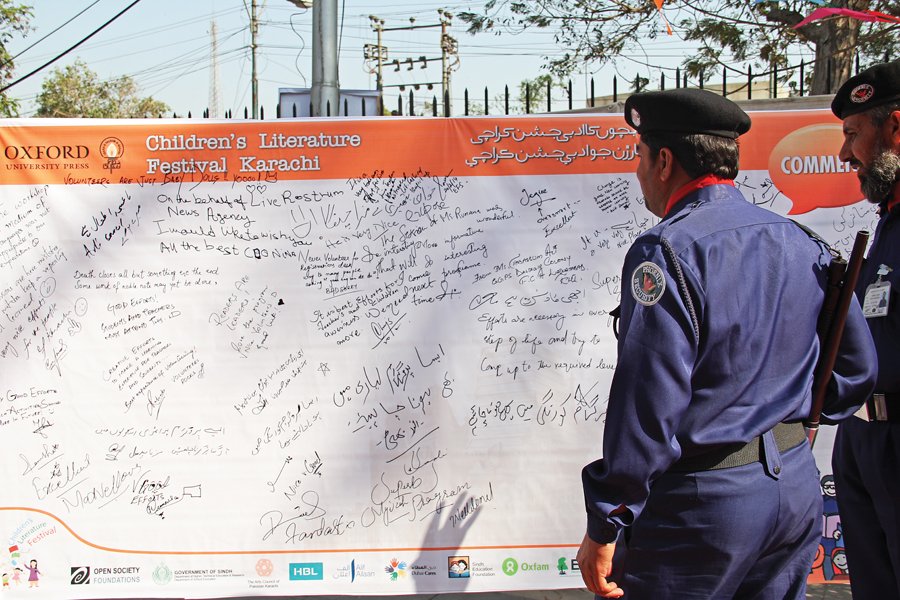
pixel 166 47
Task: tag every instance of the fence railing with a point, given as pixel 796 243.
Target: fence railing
pixel 730 82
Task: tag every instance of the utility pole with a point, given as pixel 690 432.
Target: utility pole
pixel 254 83
pixel 449 54
pixel 325 86
pixel 213 72
pixel 378 52
pixel 449 48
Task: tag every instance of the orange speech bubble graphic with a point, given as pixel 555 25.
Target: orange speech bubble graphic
pixel 805 167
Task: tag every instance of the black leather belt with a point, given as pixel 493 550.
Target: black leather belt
pixel 787 436
pixel 884 407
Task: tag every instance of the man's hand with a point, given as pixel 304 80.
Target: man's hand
pixel 595 562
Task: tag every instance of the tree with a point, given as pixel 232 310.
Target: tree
pixel 757 33
pixel 13 18
pixel 77 91
pixel 533 93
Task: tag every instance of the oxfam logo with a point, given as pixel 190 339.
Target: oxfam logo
pixel 510 567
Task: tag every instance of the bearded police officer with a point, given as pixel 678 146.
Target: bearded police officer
pixel 708 488
pixel 866 460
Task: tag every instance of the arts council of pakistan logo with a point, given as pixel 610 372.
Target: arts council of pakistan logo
pixel 264 567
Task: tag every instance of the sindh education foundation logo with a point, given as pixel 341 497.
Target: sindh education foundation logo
pixel 112 149
pixel 458 566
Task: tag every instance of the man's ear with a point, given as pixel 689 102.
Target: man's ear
pixel 666 163
pixel 892 129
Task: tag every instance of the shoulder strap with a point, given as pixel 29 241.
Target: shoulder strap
pixel 818 238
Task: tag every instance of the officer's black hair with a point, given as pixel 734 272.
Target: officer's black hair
pixel 698 154
pixel 880 114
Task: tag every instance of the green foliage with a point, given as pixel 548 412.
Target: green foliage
pixel 638 84
pixel 534 93
pixel 14 18
pixel 77 91
pixel 727 32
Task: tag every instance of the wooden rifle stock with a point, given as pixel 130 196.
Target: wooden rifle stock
pixel 842 278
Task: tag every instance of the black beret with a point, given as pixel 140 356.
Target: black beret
pixel 686 111
pixel 873 87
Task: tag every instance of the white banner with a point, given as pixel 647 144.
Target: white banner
pixel 262 382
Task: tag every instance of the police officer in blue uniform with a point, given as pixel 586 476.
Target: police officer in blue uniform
pixel 866 459
pixel 707 487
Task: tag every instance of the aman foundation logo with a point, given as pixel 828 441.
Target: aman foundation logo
pixel 805 167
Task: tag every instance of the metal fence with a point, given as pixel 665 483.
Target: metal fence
pixel 730 82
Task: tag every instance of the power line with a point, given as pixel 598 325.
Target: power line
pixel 84 39
pixel 26 49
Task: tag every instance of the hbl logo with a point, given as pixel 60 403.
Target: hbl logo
pixel 306 571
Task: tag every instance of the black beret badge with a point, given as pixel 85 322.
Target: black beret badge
pixel 875 86
pixel 862 93
pixel 647 283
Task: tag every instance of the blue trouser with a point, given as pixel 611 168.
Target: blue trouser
pixel 743 532
pixel 866 464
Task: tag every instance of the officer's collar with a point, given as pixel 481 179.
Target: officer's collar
pixel 890 205
pixel 692 186
pixel 894 202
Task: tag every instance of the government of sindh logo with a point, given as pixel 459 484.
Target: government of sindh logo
pixel 648 283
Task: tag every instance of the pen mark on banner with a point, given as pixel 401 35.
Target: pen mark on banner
pixel 413 445
pixel 271 484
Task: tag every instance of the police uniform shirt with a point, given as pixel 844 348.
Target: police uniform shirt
pixel 885 330
pixel 717 345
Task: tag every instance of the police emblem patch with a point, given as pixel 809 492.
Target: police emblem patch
pixel 648 283
pixel 862 93
pixel 635 117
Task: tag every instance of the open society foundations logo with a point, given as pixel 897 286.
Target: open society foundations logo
pixel 103 575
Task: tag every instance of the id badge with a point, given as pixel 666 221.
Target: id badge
pixel 876 300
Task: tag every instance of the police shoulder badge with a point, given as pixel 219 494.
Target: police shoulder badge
pixel 648 283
